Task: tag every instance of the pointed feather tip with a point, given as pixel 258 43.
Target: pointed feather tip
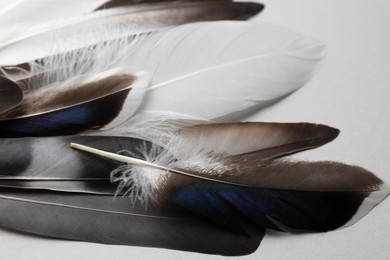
pixel 329 133
pixel 369 204
pixel 246 10
pixel 250 9
pixel 313 48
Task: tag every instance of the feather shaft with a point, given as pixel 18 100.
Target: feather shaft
pixel 142 163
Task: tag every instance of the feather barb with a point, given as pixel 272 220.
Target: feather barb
pixel 143 163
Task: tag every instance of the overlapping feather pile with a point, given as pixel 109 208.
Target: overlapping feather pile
pixel 139 87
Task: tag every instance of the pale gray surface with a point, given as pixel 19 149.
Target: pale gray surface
pixel 351 92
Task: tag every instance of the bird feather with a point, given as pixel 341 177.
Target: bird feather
pixel 116 3
pixel 281 195
pixel 248 65
pixel 33 152
pixel 79 31
pixel 76 105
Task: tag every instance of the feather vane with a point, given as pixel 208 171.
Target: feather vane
pixel 83 30
pixel 66 110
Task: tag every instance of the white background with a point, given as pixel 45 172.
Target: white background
pixel 351 92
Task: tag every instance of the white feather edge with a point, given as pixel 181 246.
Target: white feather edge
pixel 16 16
pixel 369 203
pixel 133 100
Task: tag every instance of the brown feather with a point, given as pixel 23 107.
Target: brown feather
pixel 257 140
pixel 120 3
pixel 54 98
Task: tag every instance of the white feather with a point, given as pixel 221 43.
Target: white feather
pixel 215 70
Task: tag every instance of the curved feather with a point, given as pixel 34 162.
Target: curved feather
pixel 118 3
pixel 76 105
pixel 285 196
pixel 92 28
pixel 99 219
pixel 36 172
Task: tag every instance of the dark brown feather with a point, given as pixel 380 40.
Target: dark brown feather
pixel 10 94
pixel 120 3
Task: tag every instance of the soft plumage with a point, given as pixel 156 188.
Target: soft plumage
pixel 127 84
pixel 237 185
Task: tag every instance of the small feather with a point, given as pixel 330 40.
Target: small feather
pixel 118 3
pixel 76 105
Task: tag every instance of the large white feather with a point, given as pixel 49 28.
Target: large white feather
pixel 216 70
